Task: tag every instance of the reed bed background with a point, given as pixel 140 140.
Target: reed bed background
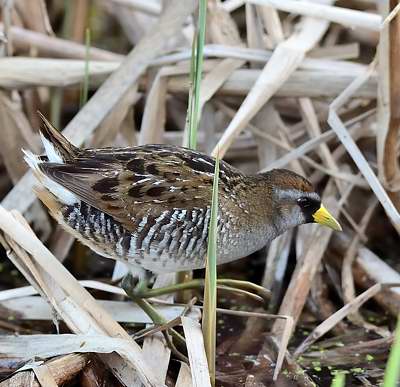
pixel 313 86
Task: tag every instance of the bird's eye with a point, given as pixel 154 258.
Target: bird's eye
pixel 304 202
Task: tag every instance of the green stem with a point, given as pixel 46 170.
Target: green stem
pixel 199 283
pixel 392 373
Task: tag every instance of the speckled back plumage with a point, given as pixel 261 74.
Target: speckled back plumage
pixel 150 205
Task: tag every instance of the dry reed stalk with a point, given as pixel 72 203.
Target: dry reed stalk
pixel 254 32
pixel 6 11
pixel 364 167
pixel 152 7
pixel 79 17
pixel 111 91
pixel 313 84
pixel 119 308
pixel 51 46
pixel 16 134
pixel 368 270
pixel 44 376
pixel 25 347
pixel 184 377
pixel 378 270
pixel 349 257
pixel 35 308
pixel 391 170
pixel 299 152
pixel 325 80
pixel 196 352
pixel 232 5
pixel 271 147
pixel 20 72
pixel 73 303
pixel 337 52
pixel 60 243
pixel 286 58
pixel 62 369
pixel 344 16
pixel 272 23
pixel 357 132
pixel 33 15
pixel 134 23
pixel 304 148
pixel 310 117
pixel 383 95
pixel 257 55
pixel 108 130
pixel 154 115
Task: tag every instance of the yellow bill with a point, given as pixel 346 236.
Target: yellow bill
pixel 322 216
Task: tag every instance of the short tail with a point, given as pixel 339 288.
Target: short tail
pixel 58 148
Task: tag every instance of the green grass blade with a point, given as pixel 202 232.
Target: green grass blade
pixel 392 373
pixel 196 69
pixel 339 380
pixel 85 87
pixel 190 137
pixel 210 286
pixel 192 125
pixel 189 114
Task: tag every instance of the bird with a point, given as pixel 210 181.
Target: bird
pixel 150 206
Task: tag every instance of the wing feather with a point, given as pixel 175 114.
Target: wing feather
pixel 125 182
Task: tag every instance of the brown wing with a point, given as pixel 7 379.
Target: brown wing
pixel 150 179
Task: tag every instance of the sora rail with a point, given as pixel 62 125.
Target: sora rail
pixel 149 205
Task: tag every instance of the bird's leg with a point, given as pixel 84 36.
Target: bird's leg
pixel 131 287
pixel 138 290
pixel 184 296
pixel 137 281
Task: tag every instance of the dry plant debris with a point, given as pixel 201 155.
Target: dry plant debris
pixel 312 86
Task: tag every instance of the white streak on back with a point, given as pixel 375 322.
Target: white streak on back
pixel 56 189
pixel 51 152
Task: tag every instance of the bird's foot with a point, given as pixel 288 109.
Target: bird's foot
pixel 134 286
